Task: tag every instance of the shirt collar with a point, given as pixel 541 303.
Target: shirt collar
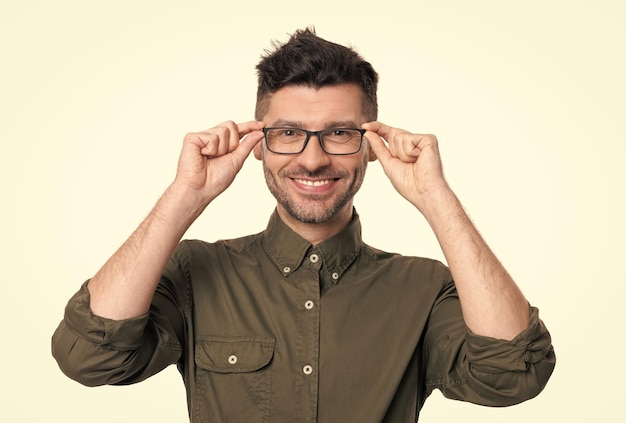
pixel 288 249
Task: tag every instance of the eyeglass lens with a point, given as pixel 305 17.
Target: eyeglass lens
pixel 333 141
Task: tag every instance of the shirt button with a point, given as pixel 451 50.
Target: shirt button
pixel 307 370
pixel 309 305
pixel 232 359
pixel 335 276
pixel 286 269
pixel 314 258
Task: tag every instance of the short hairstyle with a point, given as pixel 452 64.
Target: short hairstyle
pixel 308 60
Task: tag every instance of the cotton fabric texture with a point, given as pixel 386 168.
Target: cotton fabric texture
pixel 268 328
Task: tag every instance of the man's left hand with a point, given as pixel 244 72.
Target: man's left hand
pixel 410 161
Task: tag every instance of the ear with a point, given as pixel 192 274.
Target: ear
pixel 258 151
pixel 371 156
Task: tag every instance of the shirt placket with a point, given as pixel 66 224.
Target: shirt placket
pixel 307 385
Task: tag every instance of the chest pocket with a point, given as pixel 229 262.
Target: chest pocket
pixel 233 379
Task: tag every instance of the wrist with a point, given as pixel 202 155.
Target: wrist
pixel 180 206
pixel 440 206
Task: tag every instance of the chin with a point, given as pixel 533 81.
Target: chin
pixel 313 213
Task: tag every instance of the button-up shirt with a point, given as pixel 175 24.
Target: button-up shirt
pixel 269 328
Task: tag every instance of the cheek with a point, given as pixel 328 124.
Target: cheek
pixel 273 162
pixel 360 163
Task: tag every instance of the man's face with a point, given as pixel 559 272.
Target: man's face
pixel 314 187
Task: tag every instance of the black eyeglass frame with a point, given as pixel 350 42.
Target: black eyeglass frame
pixel 319 136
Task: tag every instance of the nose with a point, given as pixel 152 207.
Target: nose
pixel 313 157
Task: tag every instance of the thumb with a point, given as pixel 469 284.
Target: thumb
pixel 378 147
pixel 246 145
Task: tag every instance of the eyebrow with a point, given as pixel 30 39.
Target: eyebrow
pixel 327 125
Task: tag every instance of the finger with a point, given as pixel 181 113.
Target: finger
pixel 402 144
pixel 387 132
pixel 231 136
pixel 250 132
pixel 217 141
pixel 247 127
pixel 209 142
pixel 225 137
pixel 239 131
pixel 380 128
pixel 407 147
pixel 247 145
pixel 378 147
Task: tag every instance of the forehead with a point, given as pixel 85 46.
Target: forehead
pixel 316 106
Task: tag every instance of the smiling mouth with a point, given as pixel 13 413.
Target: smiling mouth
pixel 317 183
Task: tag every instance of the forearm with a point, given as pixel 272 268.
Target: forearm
pixel 123 288
pixel 491 302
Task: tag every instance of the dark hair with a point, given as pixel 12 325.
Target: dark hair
pixel 309 60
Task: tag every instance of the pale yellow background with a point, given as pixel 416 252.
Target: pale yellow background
pixel 527 99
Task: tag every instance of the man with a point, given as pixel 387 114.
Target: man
pixel 304 322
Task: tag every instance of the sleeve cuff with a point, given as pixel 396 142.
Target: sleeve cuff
pixel 495 355
pixel 115 334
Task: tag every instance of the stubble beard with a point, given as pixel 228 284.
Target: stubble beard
pixel 314 210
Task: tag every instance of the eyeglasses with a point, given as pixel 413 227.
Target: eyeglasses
pixel 335 141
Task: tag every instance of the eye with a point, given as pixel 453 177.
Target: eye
pixel 287 133
pixel 340 135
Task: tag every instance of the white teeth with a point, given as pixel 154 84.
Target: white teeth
pixel 313 183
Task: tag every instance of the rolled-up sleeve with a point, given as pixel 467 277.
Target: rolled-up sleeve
pixel 484 370
pixel 508 372
pixel 96 351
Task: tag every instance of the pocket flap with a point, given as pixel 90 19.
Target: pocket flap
pixel 233 354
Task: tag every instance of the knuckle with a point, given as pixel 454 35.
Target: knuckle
pixel 210 149
pixel 221 130
pixel 211 141
pixel 228 127
pixel 189 136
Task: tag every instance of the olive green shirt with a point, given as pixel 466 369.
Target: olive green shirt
pixel 268 328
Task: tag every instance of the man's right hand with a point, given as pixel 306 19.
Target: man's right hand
pixel 123 288
pixel 211 159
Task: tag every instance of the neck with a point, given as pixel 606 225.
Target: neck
pixel 316 233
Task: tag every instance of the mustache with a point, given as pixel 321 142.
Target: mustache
pixel 321 173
